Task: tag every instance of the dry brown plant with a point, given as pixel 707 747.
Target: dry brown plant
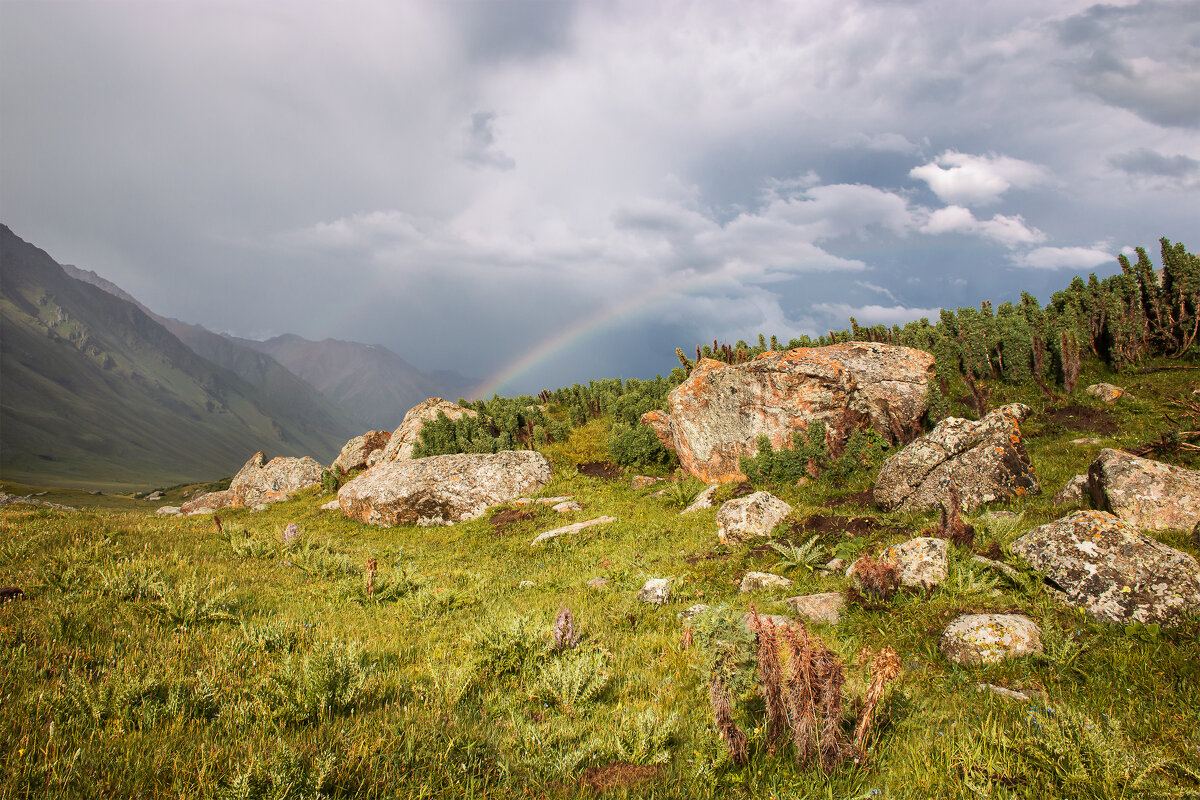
pixel 885 667
pixel 770 679
pixel 722 710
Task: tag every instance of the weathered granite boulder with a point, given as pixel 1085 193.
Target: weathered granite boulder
pixel 209 500
pixel 1106 392
pixel 922 562
pixel 718 413
pixel 440 490
pixel 660 422
pixel 1145 493
pixel 985 460
pixel 1073 491
pixel 825 607
pixel 750 517
pixel 757 581
pixel 1112 570
pixel 990 638
pixel 405 438
pixel 655 591
pixel 355 453
pixel 272 482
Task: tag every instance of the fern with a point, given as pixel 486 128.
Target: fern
pixel 805 555
pixel 963 580
pixel 574 682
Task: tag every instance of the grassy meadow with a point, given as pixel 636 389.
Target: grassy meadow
pixel 166 657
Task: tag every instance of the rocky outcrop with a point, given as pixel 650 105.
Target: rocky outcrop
pixel 272 482
pixel 1112 570
pixel 990 638
pixel 209 500
pixel 1145 493
pixel 985 460
pixel 1106 392
pixel 718 413
pixel 404 439
pixel 440 490
pixel 355 453
pixel 750 517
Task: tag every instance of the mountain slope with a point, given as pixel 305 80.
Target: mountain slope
pixel 369 381
pixel 96 391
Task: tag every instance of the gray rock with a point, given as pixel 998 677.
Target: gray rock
pixel 578 526
pixel 167 511
pixel 598 583
pixel 273 481
pixel 692 611
pixel 985 460
pixel 1000 691
pixel 440 490
pixel 922 562
pixel 702 501
pixel 1086 440
pixel 757 581
pixel 153 496
pixel 656 591
pixel 1145 493
pixel 404 439
pixel 1073 491
pixel 990 638
pixel 567 506
pixel 525 585
pixel 356 452
pixel 825 607
pixel 1106 392
pixel 332 505
pixel 832 566
pixel 1113 571
pixel 754 516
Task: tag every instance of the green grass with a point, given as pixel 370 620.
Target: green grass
pixel 157 658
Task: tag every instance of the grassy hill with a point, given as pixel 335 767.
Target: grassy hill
pixel 97 393
pixel 160 657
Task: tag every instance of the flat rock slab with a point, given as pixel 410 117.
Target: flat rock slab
pixel 566 507
pixel 825 607
pixel 1112 570
pixel 985 460
pixel 1145 493
pixel 990 638
pixel 576 528
pixel 750 517
pixel 757 581
pixel 716 416
pixel 440 490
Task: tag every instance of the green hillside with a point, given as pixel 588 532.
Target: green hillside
pixel 97 392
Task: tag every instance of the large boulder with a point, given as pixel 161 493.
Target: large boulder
pixel 1145 493
pixel 985 460
pixel 355 453
pixel 660 423
pixel 404 439
pixel 718 413
pixel 922 562
pixel 257 482
pixel 440 490
pixel 1112 570
pixel 750 517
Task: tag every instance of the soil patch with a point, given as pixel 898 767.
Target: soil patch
pixel 1083 418
pixel 863 499
pixel 511 516
pixel 617 774
pixel 831 524
pixel 601 469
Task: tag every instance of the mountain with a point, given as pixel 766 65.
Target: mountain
pixel 95 390
pixel 367 380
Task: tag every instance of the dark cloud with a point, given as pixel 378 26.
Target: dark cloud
pixel 1145 161
pixel 514 29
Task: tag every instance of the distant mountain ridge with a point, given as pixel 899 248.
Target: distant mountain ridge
pixel 97 390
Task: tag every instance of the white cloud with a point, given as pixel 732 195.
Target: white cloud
pixel 874 314
pixel 960 178
pixel 1076 258
pixel 1008 231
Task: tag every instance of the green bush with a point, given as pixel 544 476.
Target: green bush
pixel 637 446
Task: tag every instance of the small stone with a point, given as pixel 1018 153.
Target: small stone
pixel 1084 440
pixel 167 511
pixel 525 585
pixel 754 516
pixel 803 480
pixel 655 591
pixel 642 481
pixel 578 526
pixel 567 506
pixel 258 509
pixel 756 581
pixel 1001 691
pixel 923 562
pixel 151 497
pixel 990 638
pixel 834 565
pixel 332 505
pixel 1106 392
pixel 818 608
pixel 598 583
pixel 703 500
pixel 692 611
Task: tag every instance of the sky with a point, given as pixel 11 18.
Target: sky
pixel 541 192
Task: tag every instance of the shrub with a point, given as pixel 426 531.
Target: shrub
pixel 637 446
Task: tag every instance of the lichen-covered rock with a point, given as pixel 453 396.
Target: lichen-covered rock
pixel 990 638
pixel 825 607
pixel 750 517
pixel 702 501
pixel 922 562
pixel 355 453
pixel 209 500
pixel 1106 392
pixel 440 490
pixel 985 460
pixel 1145 493
pixel 655 591
pixel 404 439
pixel 757 581
pixel 1073 491
pixel 718 413
pixel 1112 570
pixel 660 422
pixel 272 482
